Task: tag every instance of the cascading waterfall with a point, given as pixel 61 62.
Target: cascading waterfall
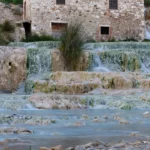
pixel 147 34
pixel 39 61
pixel 144 68
pixel 97 64
pixel 147 27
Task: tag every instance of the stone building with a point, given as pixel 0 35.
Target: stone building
pixel 102 19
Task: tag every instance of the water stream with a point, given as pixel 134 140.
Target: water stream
pixel 52 127
pixel 97 64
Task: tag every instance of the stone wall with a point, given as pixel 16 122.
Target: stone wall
pixel 10 12
pixel 125 22
pixel 13 13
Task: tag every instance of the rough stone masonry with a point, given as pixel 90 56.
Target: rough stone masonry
pixel 102 19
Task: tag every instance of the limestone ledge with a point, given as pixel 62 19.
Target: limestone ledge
pixel 84 82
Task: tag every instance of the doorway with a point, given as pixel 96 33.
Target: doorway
pixel 27 28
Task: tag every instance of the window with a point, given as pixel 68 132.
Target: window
pixel 60 2
pixel 104 30
pixel 58 29
pixel 113 4
pixel 58 26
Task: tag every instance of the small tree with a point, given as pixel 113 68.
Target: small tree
pixel 71 45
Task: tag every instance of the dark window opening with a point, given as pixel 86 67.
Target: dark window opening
pixel 60 2
pixel 105 30
pixel 113 4
pixel 27 27
pixel 59 26
pixel 58 29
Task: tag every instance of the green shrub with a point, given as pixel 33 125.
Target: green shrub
pixel 146 40
pixel 12 1
pixel 18 1
pixel 129 40
pixel 71 45
pixel 147 3
pixel 36 37
pixel 7 26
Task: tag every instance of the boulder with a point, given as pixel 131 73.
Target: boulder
pixel 59 65
pixel 13 68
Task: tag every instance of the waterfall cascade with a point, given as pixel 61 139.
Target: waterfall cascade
pixel 147 25
pixel 39 61
pixel 97 64
pixel 147 34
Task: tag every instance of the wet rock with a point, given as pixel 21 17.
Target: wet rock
pixel 44 148
pixel 13 62
pixel 136 143
pixel 53 101
pixel 59 65
pixel 121 120
pixel 146 114
pixel 79 124
pixel 100 142
pixel 80 147
pixel 85 117
pixel 119 145
pixel 105 117
pixel 88 145
pixel 15 131
pixel 58 147
pixel 134 134
pixel 70 148
pixel 90 148
pixel 97 120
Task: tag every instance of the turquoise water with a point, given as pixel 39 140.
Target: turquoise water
pixel 65 131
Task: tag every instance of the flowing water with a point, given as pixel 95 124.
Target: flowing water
pixel 73 127
pixel 52 127
pixel 97 64
pixel 147 34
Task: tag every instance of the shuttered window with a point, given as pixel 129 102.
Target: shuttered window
pixel 60 2
pixel 113 4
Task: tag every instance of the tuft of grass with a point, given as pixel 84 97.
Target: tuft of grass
pixel 7 26
pixel 36 37
pixel 6 29
pixel 71 45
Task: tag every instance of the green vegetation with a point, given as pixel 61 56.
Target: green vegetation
pixel 16 2
pixel 6 28
pixel 146 40
pixel 36 37
pixel 132 39
pixel 71 45
pixel 147 3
